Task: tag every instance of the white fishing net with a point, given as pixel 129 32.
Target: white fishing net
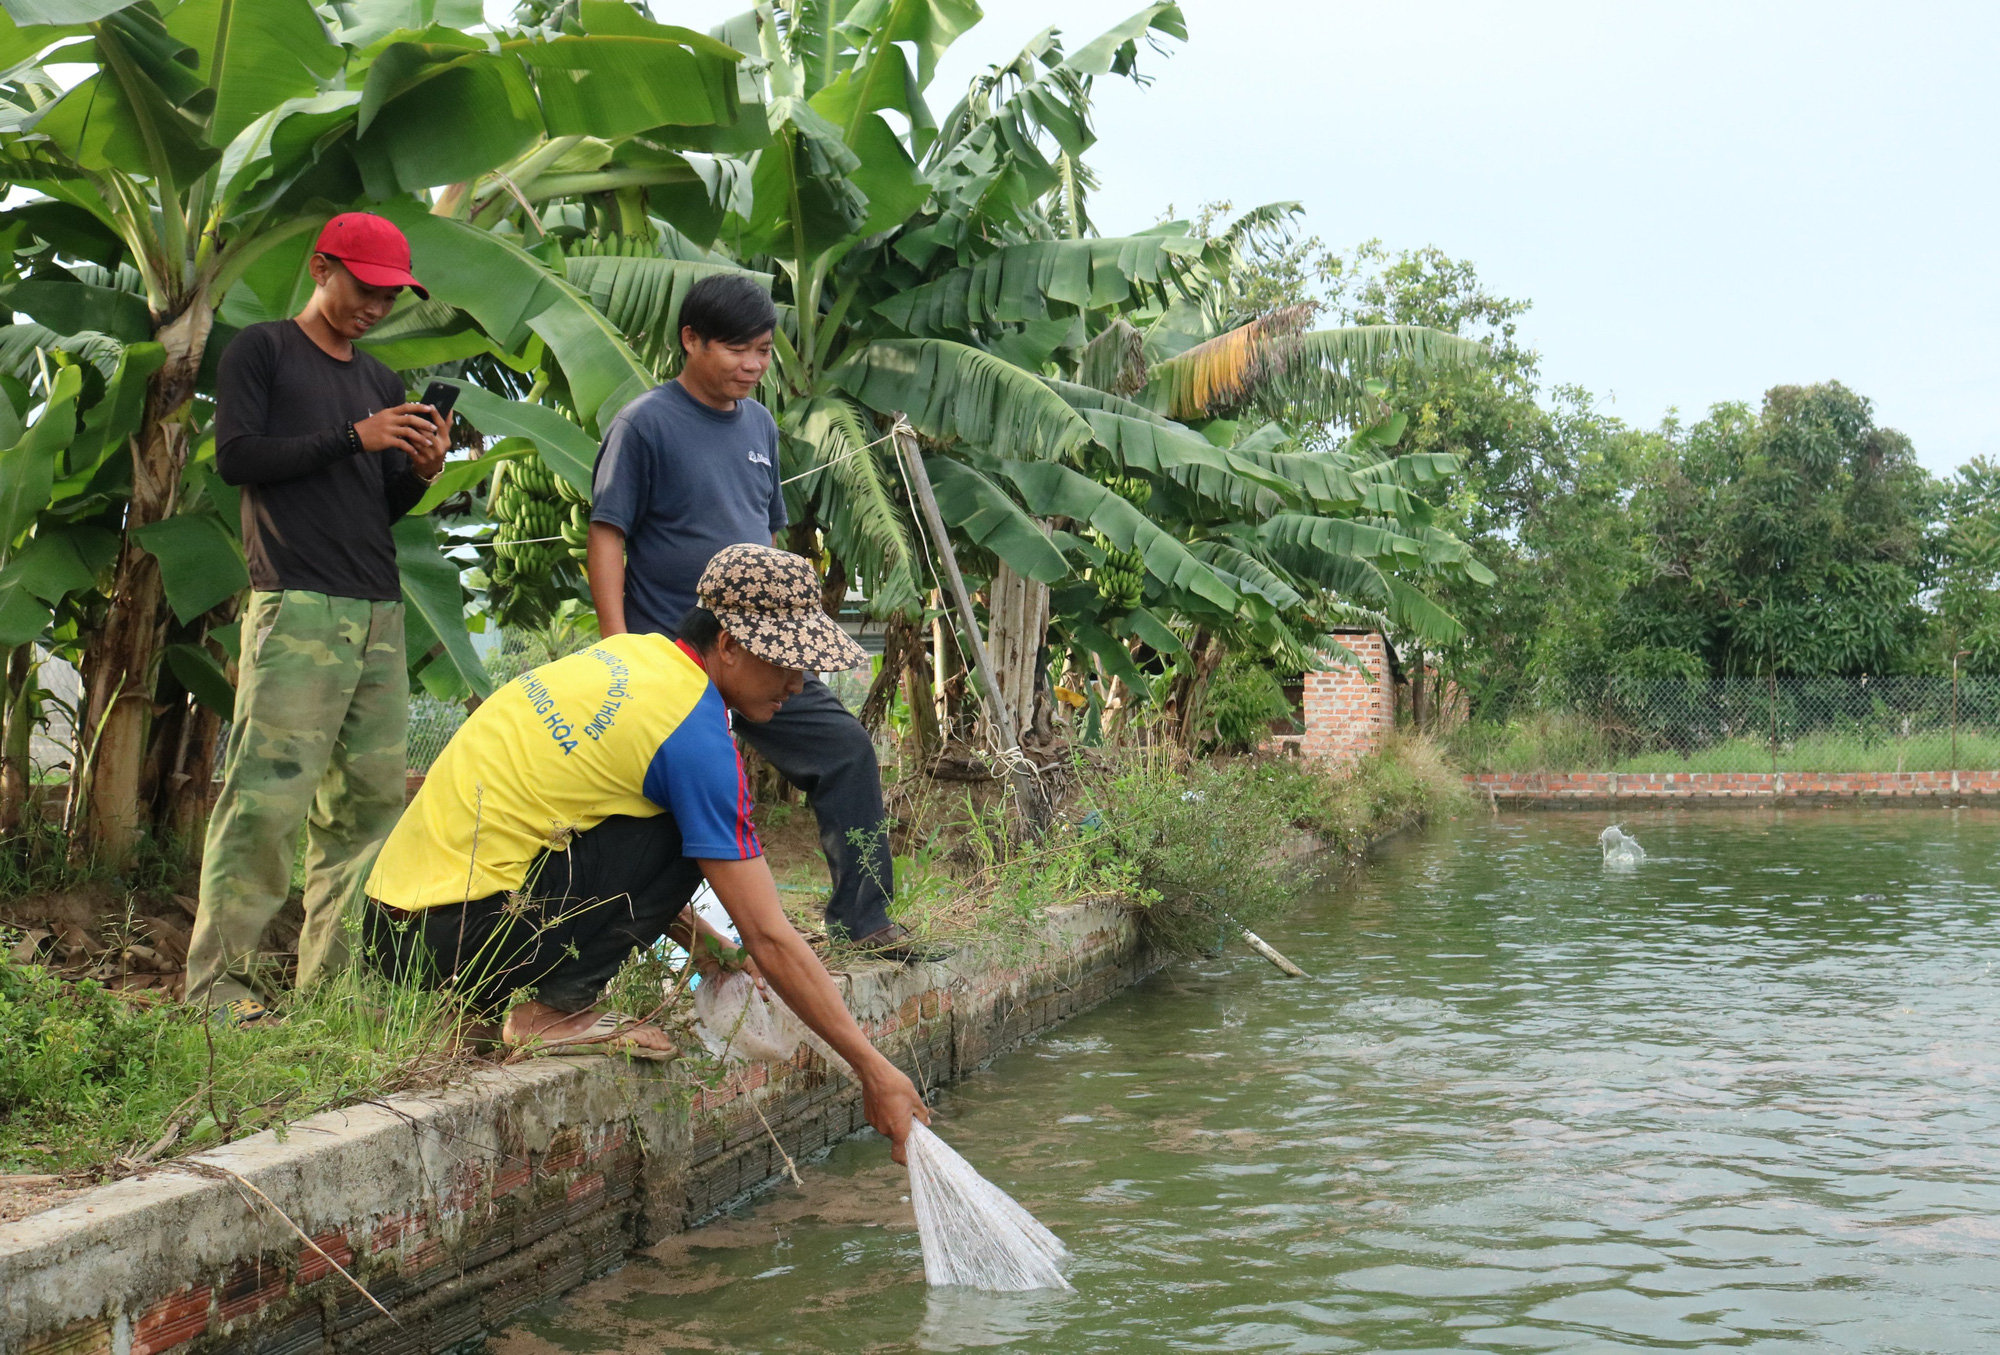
pixel 973 1232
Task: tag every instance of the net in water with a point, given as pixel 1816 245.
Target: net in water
pixel 973 1232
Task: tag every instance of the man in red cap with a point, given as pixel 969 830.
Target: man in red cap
pixel 329 453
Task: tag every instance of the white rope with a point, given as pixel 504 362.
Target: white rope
pixel 844 456
pixel 489 545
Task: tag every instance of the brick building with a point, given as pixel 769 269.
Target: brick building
pixel 1345 711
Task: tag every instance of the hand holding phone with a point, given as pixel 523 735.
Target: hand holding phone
pixel 441 396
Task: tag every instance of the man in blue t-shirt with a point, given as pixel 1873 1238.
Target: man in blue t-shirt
pixel 687 469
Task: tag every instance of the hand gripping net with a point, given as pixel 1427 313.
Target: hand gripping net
pixel 972 1231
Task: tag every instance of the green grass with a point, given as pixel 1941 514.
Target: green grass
pixel 1186 840
pixel 88 1075
pixel 1560 741
pixel 1204 842
pixel 1407 780
pixel 1828 753
pixel 36 861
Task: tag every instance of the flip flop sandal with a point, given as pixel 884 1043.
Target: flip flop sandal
pixel 608 1025
pixel 244 1011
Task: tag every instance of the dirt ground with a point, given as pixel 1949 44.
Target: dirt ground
pixel 137 943
pixel 17 1202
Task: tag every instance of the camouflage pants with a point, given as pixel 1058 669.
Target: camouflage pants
pixel 322 711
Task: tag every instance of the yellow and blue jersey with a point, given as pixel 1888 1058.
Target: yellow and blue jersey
pixel 630 725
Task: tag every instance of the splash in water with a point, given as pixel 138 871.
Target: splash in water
pixel 1621 851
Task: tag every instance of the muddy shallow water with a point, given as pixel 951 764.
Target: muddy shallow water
pixel 1746 1096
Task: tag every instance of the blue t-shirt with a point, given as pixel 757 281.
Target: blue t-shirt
pixel 682 481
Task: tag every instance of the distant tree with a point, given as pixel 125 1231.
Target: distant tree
pixel 1795 539
pixel 1789 541
pixel 1966 561
pixel 1546 480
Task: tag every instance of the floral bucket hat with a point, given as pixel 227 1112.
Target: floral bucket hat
pixel 769 599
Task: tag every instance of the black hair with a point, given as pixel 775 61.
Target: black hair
pixel 728 308
pixel 701 628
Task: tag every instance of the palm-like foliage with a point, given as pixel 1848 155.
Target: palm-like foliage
pixel 171 195
pixel 944 274
pixel 936 270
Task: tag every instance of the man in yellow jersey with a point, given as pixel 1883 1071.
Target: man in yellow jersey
pixel 575 813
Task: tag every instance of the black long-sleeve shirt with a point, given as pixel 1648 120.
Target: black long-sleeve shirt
pixel 316 514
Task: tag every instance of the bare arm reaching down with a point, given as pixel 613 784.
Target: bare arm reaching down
pixel 750 895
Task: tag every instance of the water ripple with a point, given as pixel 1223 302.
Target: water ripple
pixel 1744 1097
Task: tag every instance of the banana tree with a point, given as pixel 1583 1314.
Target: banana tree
pixel 35 572
pixel 839 212
pixel 931 285
pixel 945 275
pixel 195 161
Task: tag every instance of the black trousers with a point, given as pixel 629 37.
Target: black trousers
pixel 823 750
pixel 565 934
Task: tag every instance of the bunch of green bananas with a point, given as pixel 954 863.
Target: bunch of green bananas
pixel 530 511
pixel 1132 489
pixel 1121 580
pixel 575 530
pixel 541 524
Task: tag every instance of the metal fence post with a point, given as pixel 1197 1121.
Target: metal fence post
pixel 1954 717
pixel 1771 679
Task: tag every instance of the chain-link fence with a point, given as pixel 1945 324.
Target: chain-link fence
pixel 1748 724
pixel 432 723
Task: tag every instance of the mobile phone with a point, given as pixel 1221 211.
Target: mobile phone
pixel 441 396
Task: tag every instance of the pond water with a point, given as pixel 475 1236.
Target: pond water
pixel 1745 1096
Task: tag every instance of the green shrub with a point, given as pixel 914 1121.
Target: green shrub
pixel 1203 843
pixel 1409 779
pixel 1544 741
pixel 1243 699
pixel 1207 842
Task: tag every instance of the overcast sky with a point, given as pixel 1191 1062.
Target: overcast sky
pixel 1702 200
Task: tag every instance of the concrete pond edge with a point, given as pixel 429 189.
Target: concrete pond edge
pixel 455 1210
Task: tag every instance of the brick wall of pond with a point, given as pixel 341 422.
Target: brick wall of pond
pixel 1724 787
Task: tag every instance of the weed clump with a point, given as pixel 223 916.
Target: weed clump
pixel 1213 844
pixel 89 1075
pixel 1407 780
pixel 1204 840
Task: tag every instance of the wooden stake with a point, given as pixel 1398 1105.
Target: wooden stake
pixel 1034 808
pixel 1270 952
pixel 1260 945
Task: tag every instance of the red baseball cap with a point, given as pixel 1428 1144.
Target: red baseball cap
pixel 372 248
